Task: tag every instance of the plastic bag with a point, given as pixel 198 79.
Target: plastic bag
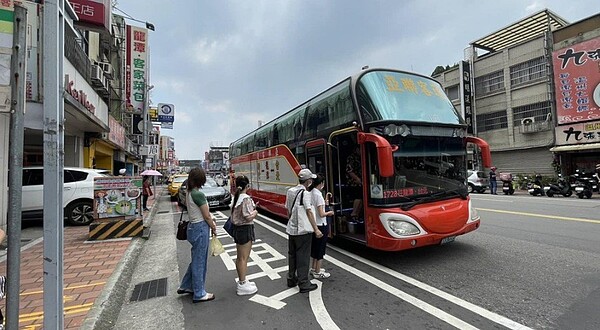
pixel 215 248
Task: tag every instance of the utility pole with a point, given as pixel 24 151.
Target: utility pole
pixel 15 166
pixel 53 71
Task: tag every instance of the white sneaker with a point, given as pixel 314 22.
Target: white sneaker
pixel 312 270
pixel 321 274
pixel 246 289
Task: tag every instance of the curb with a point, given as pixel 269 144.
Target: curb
pixel 105 311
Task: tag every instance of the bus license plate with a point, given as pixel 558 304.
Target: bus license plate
pixel 448 239
pixel 213 203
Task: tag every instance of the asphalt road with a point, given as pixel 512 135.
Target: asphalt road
pixel 534 263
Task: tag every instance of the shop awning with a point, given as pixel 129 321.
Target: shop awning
pixel 576 147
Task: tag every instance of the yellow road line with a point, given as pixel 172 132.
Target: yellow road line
pixel 68 310
pixel 65 288
pixel 541 215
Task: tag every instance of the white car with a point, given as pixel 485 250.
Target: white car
pixel 478 181
pixel 78 193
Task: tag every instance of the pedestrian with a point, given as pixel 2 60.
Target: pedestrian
pixel 493 183
pixel 300 228
pixel 146 192
pixel 242 216
pixel 319 244
pixel 200 225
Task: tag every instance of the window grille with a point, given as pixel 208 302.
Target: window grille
pixel 540 111
pixel 489 83
pixel 528 71
pixel 492 121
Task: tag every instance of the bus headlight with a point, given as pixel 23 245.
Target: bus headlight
pixel 403 228
pixel 473 214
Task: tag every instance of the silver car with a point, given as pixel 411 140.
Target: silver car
pixel 477 181
pixel 217 196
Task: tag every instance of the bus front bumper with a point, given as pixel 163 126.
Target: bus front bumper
pixel 388 243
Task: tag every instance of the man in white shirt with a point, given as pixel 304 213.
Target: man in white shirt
pixel 300 228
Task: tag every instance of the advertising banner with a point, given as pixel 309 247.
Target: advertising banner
pixel 153 113
pixel 136 71
pixel 166 113
pixel 578 133
pixel 117 196
pixel 93 12
pixel 577 81
pixel 117 132
pixel 7 13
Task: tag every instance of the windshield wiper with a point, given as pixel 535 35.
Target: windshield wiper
pixel 460 192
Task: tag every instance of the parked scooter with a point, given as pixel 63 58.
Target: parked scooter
pixel 583 185
pixel 562 187
pixel 507 183
pixel 535 188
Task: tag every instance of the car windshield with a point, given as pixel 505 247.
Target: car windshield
pixel 210 183
pixel 426 168
pixel 180 179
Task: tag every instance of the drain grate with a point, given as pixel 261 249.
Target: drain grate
pixel 163 211
pixel 149 289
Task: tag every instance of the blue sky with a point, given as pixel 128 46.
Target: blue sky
pixel 225 65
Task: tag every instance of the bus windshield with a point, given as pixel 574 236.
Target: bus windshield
pixel 398 96
pixel 425 167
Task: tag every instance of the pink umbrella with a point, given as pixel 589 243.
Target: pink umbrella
pixel 151 172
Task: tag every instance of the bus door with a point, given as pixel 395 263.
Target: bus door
pixel 316 161
pixel 346 177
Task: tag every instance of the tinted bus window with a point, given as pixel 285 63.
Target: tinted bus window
pixel 333 109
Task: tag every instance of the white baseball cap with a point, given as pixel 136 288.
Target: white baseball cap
pixel 122 171
pixel 306 174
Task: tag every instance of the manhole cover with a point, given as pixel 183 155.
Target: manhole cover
pixel 149 289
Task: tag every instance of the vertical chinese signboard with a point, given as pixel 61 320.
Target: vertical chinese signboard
pixel 137 69
pixel 465 92
pixel 577 81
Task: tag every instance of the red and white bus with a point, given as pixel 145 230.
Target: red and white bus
pixel 412 159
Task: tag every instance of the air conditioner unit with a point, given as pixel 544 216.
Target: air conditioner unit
pixel 97 75
pixel 107 68
pixel 527 121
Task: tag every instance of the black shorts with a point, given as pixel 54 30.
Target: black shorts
pixel 243 234
pixel 318 246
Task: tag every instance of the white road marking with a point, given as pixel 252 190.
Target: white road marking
pixel 465 304
pixel 404 296
pixel 275 301
pixel 318 307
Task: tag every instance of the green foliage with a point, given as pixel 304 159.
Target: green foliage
pixel 440 68
pixel 521 182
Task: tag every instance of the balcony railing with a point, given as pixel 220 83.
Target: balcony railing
pixel 76 55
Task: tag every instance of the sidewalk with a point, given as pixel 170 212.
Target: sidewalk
pixel 90 270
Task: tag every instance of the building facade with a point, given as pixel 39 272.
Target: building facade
pixel 576 63
pixel 512 101
pixel 100 50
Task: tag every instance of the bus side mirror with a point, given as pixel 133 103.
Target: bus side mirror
pixel 486 155
pixel 385 151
